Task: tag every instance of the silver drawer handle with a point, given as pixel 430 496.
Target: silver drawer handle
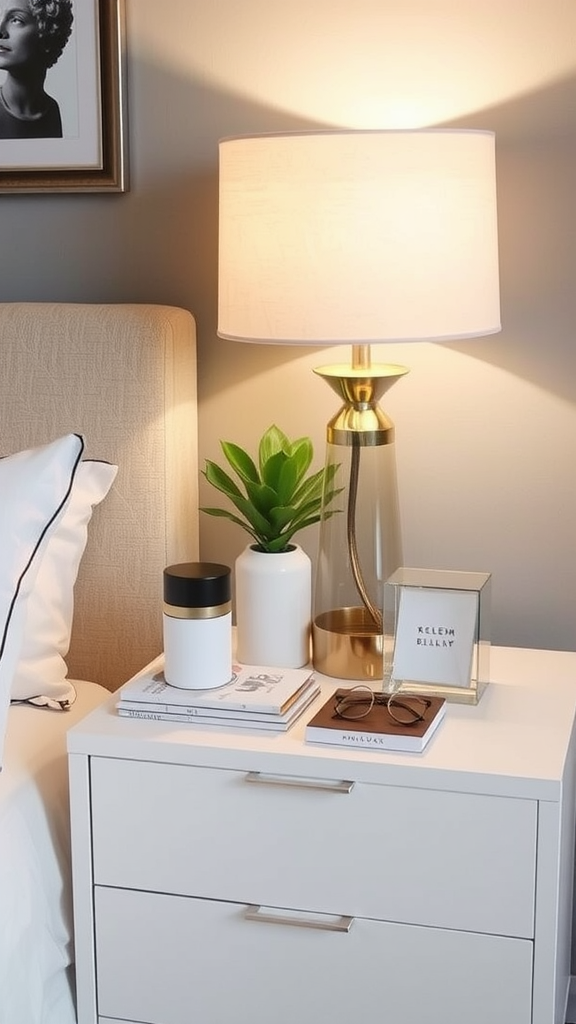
pixel 256 913
pixel 328 785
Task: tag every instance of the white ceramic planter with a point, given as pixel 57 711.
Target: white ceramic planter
pixel 273 607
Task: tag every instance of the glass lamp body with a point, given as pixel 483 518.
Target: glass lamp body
pixel 360 543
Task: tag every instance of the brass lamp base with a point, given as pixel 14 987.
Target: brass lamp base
pixel 347 646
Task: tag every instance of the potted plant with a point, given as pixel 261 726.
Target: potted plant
pixel 273 498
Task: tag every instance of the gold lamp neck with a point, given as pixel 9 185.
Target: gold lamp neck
pixel 361 357
pixel 361 385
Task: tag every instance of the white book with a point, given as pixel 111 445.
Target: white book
pixel 255 688
pixel 303 696
pixel 234 720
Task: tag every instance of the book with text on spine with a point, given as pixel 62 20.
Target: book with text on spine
pixel 222 719
pixel 377 730
pixel 257 689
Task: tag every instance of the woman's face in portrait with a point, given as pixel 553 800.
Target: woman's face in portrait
pixel 19 38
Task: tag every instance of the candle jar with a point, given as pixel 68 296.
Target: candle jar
pixel 197 625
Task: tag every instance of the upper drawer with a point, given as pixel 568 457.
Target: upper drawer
pixel 400 854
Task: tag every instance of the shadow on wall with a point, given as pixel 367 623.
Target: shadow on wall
pixel 535 145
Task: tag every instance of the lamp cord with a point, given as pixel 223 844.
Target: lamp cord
pixel 373 612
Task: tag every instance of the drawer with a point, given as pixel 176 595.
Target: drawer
pixel 173 960
pixel 415 856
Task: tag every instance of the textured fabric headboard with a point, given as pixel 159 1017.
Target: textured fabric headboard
pixel 123 376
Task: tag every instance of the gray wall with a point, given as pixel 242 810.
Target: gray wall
pixel 486 430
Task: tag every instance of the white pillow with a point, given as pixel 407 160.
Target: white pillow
pixel 40 675
pixel 34 488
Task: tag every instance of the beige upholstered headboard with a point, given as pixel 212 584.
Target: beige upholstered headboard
pixel 123 376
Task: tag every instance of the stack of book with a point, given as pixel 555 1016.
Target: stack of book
pixel 257 697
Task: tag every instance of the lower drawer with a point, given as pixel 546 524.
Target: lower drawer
pixel 172 960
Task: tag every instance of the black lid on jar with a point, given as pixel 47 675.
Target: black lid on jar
pixel 197 585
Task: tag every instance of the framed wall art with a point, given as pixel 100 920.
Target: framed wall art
pixel 438 624
pixel 62 96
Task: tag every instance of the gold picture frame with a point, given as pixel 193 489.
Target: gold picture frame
pixel 108 172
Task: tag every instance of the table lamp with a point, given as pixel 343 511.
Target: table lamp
pixel 358 237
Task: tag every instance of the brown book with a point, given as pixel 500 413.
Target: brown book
pixel 377 730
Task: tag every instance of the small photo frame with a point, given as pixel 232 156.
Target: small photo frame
pixel 437 625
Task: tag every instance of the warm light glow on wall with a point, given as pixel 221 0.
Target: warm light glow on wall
pixel 373 63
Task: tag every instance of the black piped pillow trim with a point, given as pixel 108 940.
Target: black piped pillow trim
pixel 46 527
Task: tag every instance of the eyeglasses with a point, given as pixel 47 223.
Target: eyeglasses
pixel 358 701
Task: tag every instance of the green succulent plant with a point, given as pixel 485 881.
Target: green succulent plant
pixel 275 498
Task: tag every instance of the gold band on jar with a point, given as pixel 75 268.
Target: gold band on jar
pixel 175 612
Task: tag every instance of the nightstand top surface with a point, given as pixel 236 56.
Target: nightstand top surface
pixel 513 743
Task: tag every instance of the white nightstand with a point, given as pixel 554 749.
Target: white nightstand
pixel 242 878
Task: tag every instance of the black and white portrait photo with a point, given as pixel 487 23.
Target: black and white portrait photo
pixel 33 35
pixel 61 95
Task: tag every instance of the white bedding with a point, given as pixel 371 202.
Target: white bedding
pixel 36 949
